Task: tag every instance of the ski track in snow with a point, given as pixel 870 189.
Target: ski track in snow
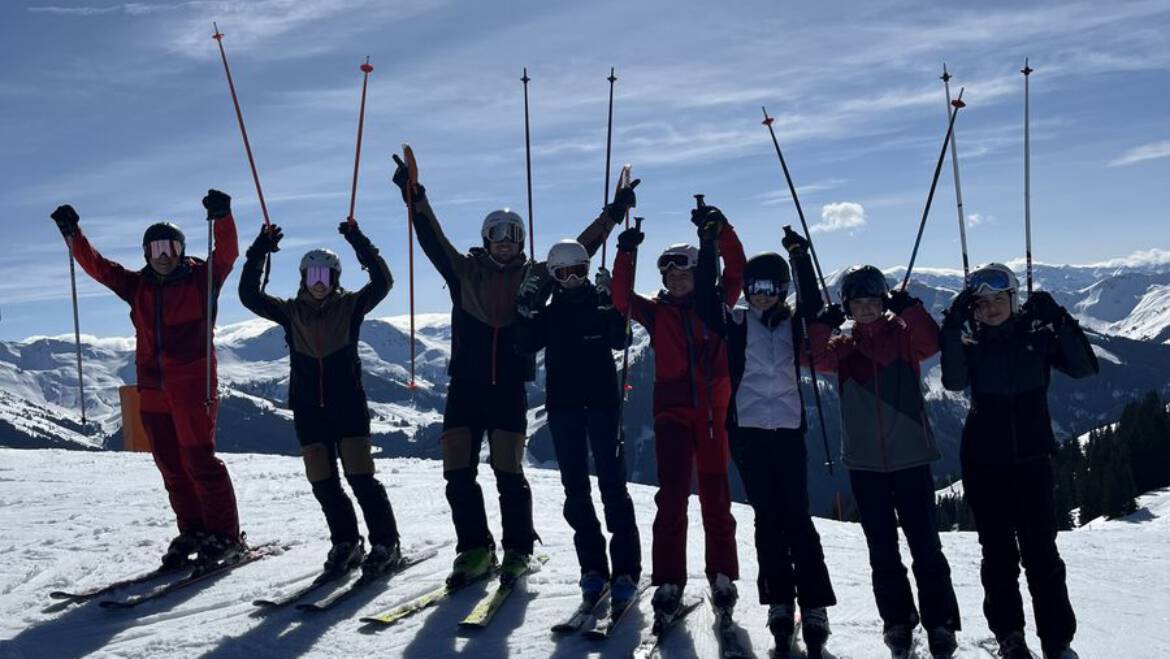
pixel 75 520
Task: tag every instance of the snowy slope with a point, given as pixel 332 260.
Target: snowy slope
pixel 67 523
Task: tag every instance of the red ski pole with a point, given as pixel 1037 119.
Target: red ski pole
pixel 218 36
pixel 357 156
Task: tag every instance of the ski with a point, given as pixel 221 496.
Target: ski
pixel 281 601
pixel 652 642
pixel 585 612
pixel 251 555
pixel 601 631
pixel 730 645
pixel 359 580
pixel 85 595
pixel 421 602
pixel 487 606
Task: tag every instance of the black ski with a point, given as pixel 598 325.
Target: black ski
pixel 602 629
pixel 652 642
pixel 281 601
pixel 360 580
pixel 197 576
pixel 85 595
pixel 730 645
pixel 585 612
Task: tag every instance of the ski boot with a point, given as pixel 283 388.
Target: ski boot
pixel 782 626
pixel 814 629
pixel 219 550
pixel 1061 653
pixel 1014 646
pixel 381 559
pixel 343 557
pixel 593 585
pixel 622 591
pixel 471 565
pixel 942 642
pixel 899 638
pixel 723 594
pixel 514 566
pixel 179 552
pixel 667 602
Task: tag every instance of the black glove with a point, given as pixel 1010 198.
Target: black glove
pixel 832 315
pixel 900 301
pixel 960 312
pixel 402 179
pixel 707 214
pixel 1044 309
pixel 794 243
pixel 66 219
pixel 623 200
pixel 268 241
pixel 350 230
pixel 218 204
pixel 629 239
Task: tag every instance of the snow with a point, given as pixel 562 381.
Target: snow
pixel 68 524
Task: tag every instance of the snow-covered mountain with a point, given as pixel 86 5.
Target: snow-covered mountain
pixel 69 523
pixel 1123 304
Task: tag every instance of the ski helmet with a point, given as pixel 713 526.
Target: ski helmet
pixel 995 278
pixel 165 231
pixel 678 255
pixel 863 281
pixel 568 259
pixel 766 274
pixel 503 225
pixel 320 265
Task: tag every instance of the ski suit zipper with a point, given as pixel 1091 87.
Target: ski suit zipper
pixel 320 361
pixel 877 392
pixel 158 325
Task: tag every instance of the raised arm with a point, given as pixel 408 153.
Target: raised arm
pixel 107 273
pixel 921 329
pixel 251 295
pixel 731 250
pixel 446 259
pixel 708 299
pixel 598 230
pixel 1070 351
pixel 625 300
pixel 381 281
pixel 953 360
pixel 227 246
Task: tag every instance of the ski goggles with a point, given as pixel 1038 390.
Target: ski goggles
pixel 990 281
pixel 160 248
pixel 565 273
pixel 679 261
pixel 505 232
pixel 318 274
pixel 766 287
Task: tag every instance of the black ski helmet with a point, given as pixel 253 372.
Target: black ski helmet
pixel 863 281
pixel 165 231
pixel 767 266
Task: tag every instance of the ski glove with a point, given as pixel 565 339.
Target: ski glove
pixel 629 239
pixel 959 313
pixel 268 241
pixel 66 219
pixel 900 301
pixel 709 220
pixel 832 315
pixel 603 282
pixel 218 204
pixel 533 293
pixel 1044 309
pixel 794 243
pixel 623 200
pixel 402 179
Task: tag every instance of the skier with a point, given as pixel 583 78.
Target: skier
pixel 168 299
pixel 1008 446
pixel 691 393
pixel 578 330
pixel 765 420
pixel 330 413
pixel 486 393
pixel 887 445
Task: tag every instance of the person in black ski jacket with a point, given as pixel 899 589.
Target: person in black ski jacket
pixel 766 426
pixel 1004 353
pixel 330 413
pixel 486 393
pixel 579 330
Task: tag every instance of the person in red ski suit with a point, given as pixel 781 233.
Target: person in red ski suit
pixel 692 389
pixel 168 300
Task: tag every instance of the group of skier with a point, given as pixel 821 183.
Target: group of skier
pixel 726 388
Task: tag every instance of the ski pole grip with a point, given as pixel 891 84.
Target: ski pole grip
pixel 638 223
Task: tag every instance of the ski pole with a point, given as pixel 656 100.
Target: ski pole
pixel 76 328
pixel 624 179
pixel 608 146
pixel 528 166
pixel 958 105
pixel 946 78
pixel 357 157
pixel 626 351
pixel 1027 71
pixel 412 167
pixel 210 305
pixel 796 200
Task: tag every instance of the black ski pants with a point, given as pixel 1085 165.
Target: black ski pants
pixel 321 468
pixel 773 467
pixel 575 433
pixel 499 411
pixel 905 498
pixel 1015 515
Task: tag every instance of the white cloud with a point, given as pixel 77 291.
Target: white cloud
pixel 840 215
pixel 976 219
pixel 131 8
pixel 1151 151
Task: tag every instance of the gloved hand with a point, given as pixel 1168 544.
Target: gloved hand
pixel 218 204
pixel 402 179
pixel 603 282
pixel 350 230
pixel 832 315
pixel 900 301
pixel 533 292
pixel 268 241
pixel 623 200
pixel 66 219
pixel 794 243
pixel 629 239
pixel 960 312
pixel 1044 309
pixel 710 221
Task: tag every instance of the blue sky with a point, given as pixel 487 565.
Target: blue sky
pixel 122 110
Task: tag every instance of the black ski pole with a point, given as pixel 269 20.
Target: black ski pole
pixel 946 78
pixel 958 105
pixel 76 328
pixel 608 146
pixel 1027 71
pixel 626 350
pixel 796 200
pixel 528 164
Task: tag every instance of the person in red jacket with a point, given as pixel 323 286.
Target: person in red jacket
pixel 692 389
pixel 168 307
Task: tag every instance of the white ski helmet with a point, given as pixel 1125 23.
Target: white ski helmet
pixel 503 224
pixel 568 254
pixel 678 255
pixel 322 258
pixel 995 278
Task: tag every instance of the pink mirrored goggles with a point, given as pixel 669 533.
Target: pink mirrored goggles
pixel 171 248
pixel 318 274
